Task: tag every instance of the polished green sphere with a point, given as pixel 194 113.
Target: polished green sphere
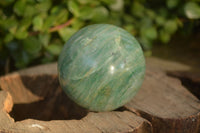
pixel 101 67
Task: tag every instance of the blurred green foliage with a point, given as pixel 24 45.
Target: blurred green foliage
pixel 34 31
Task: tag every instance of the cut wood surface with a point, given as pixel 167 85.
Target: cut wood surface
pixel 166 104
pixel 162 105
pixel 94 122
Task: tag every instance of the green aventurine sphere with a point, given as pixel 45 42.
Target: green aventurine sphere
pixel 101 67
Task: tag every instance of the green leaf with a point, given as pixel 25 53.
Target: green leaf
pixel 66 33
pixel 150 13
pixel 145 22
pixel 26 22
pixel 21 33
pixel 100 14
pixel 44 39
pixel 171 26
pixel 54 49
pixel 192 10
pixel 8 38
pixel 117 5
pixel 114 19
pixel 108 2
pixel 30 11
pixel 130 28
pixel 147 53
pixel 128 19
pixel 73 8
pixel 11 25
pixel 160 20
pixel 19 7
pixel 43 6
pixel 163 12
pixel 77 24
pixel 48 22
pixel 32 45
pixel 137 9
pixel 150 33
pixel 146 43
pixel 61 17
pixel 179 22
pixel 86 13
pixel 37 23
pixel 56 9
pixel 84 2
pixel 172 3
pixel 164 36
pixel 6 2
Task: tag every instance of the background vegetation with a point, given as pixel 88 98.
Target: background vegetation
pixel 34 31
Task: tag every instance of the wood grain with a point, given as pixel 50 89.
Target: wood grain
pixel 167 104
pixel 163 105
pixel 40 105
pixel 94 122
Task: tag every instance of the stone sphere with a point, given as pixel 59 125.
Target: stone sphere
pixel 101 67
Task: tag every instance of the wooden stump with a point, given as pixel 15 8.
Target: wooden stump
pixel 166 104
pixel 94 122
pixel 162 105
pixel 189 79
